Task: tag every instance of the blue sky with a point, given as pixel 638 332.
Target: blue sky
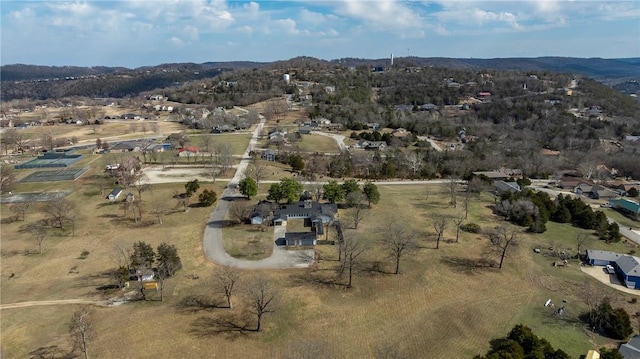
pixel 136 33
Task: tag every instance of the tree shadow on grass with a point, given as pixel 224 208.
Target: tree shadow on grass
pixel 231 326
pixel 197 303
pixel 51 352
pixel 221 224
pixel 469 265
pixel 317 279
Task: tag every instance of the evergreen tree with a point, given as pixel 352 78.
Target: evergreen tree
pixel 168 260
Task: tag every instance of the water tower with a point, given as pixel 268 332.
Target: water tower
pixel 286 78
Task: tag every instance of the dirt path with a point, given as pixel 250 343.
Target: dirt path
pixel 51 302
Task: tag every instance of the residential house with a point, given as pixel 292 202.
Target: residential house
pixel 376 145
pixel 125 146
pixel 305 130
pixel 401 132
pixel 114 194
pixel 626 206
pixel 592 354
pixel 630 349
pixel 323 121
pixel 269 155
pixel 315 215
pixel 188 152
pixel 503 187
pixel 129 116
pixel 629 269
pixel 501 174
pixel 428 107
pixel 601 258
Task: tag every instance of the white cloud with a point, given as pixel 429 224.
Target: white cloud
pixel 383 15
pixel 176 41
pixel 253 7
pixel 311 17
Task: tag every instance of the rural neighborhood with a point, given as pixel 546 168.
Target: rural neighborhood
pixel 313 209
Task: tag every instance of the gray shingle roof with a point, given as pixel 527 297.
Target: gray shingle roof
pixel 603 255
pixel 629 265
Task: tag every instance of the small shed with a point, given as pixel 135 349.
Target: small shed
pixel 114 194
pixel 601 258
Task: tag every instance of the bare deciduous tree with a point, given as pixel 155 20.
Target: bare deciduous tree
pixel 224 156
pixel 439 225
pixel 8 178
pixel 39 231
pixel 352 247
pixel 453 191
pixel 261 296
pixel 81 331
pixel 502 241
pixel 258 171
pixel 358 208
pixel 240 211
pixel 159 211
pixel 399 240
pixel 59 210
pixel 581 239
pixel 458 221
pixel 226 278
pixel 20 209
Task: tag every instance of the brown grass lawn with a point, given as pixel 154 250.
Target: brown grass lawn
pixel 437 307
pixel 317 143
pixel 247 241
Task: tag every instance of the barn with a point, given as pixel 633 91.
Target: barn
pixel 629 270
pixel 601 258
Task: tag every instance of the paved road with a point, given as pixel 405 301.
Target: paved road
pixel 212 242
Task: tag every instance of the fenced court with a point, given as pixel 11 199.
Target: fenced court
pixel 67 174
pixel 52 159
pixel 33 197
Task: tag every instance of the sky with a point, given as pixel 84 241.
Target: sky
pixel 134 33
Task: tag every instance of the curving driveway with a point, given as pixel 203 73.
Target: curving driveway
pixel 338 138
pixel 212 242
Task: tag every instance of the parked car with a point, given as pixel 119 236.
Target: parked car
pixel 609 268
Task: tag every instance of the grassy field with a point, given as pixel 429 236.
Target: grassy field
pixel 439 306
pixel 317 143
pixel 247 242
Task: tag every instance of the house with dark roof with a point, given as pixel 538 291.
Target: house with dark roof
pixel 630 349
pixel 310 211
pixel 316 215
pixel 376 145
pixel 305 130
pixel 601 258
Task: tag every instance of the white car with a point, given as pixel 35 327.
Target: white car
pixel 609 268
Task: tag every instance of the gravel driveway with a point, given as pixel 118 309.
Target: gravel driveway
pixel 213 248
